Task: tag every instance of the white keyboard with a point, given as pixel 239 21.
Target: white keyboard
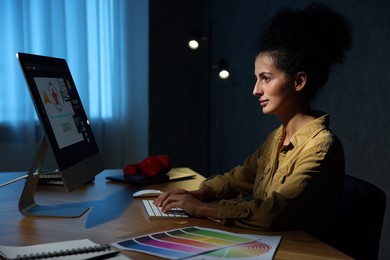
pixel 154 212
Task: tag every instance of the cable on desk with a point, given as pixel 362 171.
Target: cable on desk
pixel 12 181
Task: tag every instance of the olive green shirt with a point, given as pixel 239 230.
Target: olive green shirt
pixel 292 186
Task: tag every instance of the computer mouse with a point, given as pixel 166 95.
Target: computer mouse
pixel 147 193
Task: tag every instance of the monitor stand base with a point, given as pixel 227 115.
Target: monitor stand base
pixel 27 204
pixel 61 211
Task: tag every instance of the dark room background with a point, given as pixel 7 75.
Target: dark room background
pixel 211 125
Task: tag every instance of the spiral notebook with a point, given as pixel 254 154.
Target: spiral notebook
pixel 74 249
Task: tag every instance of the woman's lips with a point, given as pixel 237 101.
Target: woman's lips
pixel 263 103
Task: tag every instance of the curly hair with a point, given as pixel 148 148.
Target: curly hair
pixel 312 40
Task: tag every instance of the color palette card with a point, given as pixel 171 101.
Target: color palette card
pixel 193 241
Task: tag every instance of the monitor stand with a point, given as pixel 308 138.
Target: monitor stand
pixel 27 205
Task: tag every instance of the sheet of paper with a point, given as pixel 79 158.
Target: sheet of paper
pixel 263 248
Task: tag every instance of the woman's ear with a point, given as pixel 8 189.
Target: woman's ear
pixel 300 80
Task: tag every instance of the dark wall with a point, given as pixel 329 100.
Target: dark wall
pixel 178 94
pixel 211 125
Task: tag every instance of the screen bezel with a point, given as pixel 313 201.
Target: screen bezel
pixel 78 162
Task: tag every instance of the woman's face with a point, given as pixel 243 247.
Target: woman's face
pixel 273 87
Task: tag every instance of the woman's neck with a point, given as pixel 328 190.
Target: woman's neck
pixel 294 123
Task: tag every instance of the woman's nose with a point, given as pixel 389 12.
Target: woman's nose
pixel 257 90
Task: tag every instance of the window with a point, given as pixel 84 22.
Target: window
pixel 105 43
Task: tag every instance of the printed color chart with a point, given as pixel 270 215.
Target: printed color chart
pixel 193 241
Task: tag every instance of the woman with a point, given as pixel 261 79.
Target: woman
pixel 295 178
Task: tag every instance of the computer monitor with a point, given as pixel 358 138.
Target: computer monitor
pixel 67 132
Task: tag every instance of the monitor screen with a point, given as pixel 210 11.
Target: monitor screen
pixel 63 119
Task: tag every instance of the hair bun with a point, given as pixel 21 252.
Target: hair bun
pixel 316 32
pixel 328 31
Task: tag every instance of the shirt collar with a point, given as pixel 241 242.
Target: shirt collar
pixel 307 131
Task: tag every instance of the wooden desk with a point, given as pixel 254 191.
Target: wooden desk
pixel 115 215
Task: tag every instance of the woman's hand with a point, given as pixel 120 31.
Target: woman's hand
pixel 189 201
pixel 160 199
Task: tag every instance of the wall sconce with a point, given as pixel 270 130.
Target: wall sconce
pixel 195 40
pixel 223 69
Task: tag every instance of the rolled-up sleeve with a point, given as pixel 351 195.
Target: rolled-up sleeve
pixel 238 181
